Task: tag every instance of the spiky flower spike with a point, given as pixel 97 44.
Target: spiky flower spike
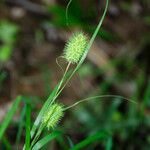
pixel 75 47
pixel 53 116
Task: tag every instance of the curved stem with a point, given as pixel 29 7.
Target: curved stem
pixel 63 78
pixel 87 49
pixel 101 96
pixel 61 82
pixel 67 8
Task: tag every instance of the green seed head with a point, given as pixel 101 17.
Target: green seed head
pixel 53 116
pixel 75 47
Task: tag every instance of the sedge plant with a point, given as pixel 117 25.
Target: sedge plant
pixel 75 52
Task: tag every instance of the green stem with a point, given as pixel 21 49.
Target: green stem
pixel 37 121
pixel 59 86
pixel 67 8
pixel 61 82
pixel 64 81
pixel 87 49
pixel 101 96
pixel 40 129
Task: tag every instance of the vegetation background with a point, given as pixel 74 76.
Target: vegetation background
pixel 33 34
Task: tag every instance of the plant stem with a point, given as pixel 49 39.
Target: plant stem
pixel 100 96
pixel 61 82
pixel 87 49
pixel 40 129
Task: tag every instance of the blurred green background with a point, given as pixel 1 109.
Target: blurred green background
pixel 33 34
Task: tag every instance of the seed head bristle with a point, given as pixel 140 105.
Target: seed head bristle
pixel 75 47
pixel 53 116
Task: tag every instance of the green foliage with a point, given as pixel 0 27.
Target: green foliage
pixel 92 138
pixel 109 144
pixel 44 109
pixel 9 116
pixel 59 17
pixel 28 126
pixel 6 143
pixel 46 140
pixel 8 32
pixel 5 53
pixel 76 16
pixel 21 123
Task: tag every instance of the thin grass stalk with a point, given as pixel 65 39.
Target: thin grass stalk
pixel 88 47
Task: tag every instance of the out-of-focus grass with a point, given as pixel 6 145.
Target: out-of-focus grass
pixel 8 32
pixel 9 116
pixel 122 119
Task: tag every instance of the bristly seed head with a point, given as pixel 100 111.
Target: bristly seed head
pixel 53 116
pixel 75 47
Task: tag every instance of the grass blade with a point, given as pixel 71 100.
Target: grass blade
pixel 89 140
pixel 9 116
pixel 46 139
pixel 71 144
pixel 21 125
pixel 6 143
pixel 109 144
pixel 28 125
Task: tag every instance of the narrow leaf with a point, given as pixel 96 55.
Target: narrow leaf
pixel 46 139
pixel 44 108
pixel 21 125
pixel 89 140
pixel 109 144
pixel 9 116
pixel 28 125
